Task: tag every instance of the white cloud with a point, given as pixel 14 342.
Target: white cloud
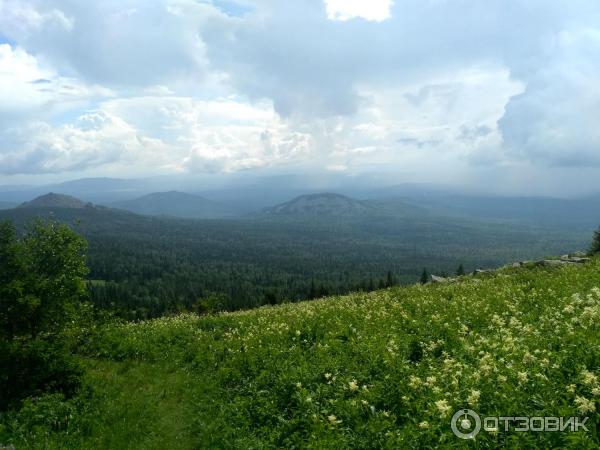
pixel 214 135
pixel 29 89
pixel 374 10
pixel 95 139
pixel 224 86
pixel 554 121
pixel 168 133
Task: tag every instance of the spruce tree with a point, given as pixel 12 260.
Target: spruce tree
pixel 595 249
pixel 390 279
pixel 424 277
pixel 460 271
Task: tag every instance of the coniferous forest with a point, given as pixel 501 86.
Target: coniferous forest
pixel 143 267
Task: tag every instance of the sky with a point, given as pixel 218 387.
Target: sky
pixel 501 94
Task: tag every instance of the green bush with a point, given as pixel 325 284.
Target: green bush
pixel 41 290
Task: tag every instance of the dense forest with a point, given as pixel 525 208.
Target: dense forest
pixel 144 267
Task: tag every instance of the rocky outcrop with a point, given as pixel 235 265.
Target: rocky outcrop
pixel 436 279
pixel 572 259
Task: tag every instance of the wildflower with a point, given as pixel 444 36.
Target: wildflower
pixel 473 397
pixel 327 376
pixel 333 419
pixel 589 379
pixel 596 391
pixel 353 385
pixel 571 388
pixel 298 385
pixel 443 407
pixel 424 425
pixel 523 377
pixel 431 381
pixel 414 382
pixel 584 405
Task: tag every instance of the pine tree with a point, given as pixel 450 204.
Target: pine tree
pixel 595 249
pixel 460 271
pixel 390 279
pixel 424 277
pixel 313 290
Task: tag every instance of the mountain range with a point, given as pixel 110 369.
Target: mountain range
pixel 239 197
pixel 175 204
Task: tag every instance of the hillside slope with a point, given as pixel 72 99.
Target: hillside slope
pixel 324 204
pixel 380 370
pixel 175 204
pixel 53 200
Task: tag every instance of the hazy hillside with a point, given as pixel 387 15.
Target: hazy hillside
pixel 7 205
pixel 240 196
pixel 322 204
pixel 53 200
pixel 175 204
pixel 381 370
pixel 574 213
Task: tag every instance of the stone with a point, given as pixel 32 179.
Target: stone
pixel 436 279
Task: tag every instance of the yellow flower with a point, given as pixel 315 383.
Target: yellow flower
pixel 333 419
pixel 443 407
pixel 523 377
pixel 584 405
pixel 473 397
pixel 589 379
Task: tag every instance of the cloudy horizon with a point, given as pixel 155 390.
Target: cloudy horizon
pixel 502 95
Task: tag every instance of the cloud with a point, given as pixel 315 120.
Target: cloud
pixel 225 85
pixel 554 121
pixel 30 89
pixel 113 42
pixel 375 10
pixel 215 135
pixel 157 133
pixel 95 139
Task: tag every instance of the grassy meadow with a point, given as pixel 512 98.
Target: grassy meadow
pixel 386 369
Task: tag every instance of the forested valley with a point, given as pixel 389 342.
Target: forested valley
pixel 143 267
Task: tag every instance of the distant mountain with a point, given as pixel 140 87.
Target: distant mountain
pixel 7 205
pixel 324 204
pixel 175 204
pixel 52 200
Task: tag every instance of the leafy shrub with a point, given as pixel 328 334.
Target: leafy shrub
pixel 41 289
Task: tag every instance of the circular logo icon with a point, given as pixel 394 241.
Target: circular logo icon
pixel 465 424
